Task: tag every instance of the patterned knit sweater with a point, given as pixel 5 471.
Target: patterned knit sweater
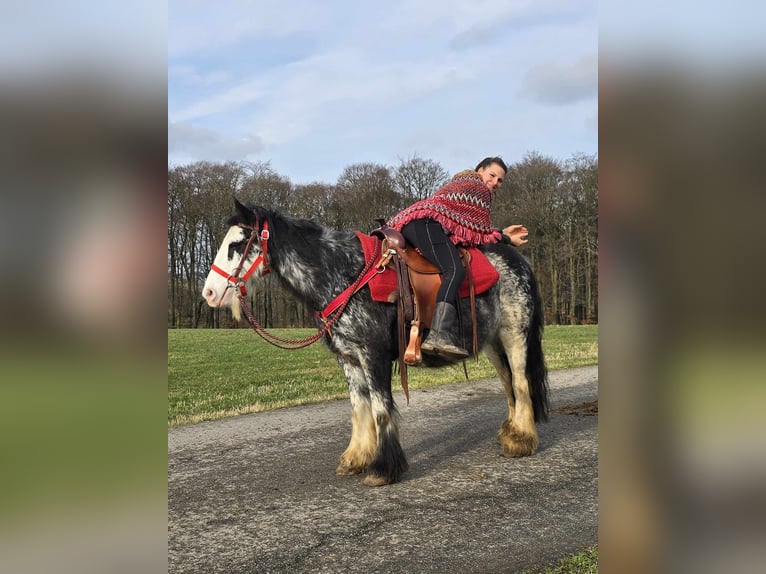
pixel 462 207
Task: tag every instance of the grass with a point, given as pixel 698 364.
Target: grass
pixel 584 562
pixel 216 373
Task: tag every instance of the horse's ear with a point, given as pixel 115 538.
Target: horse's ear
pixel 245 214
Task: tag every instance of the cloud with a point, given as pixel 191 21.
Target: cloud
pixel 195 143
pixel 189 76
pixel 316 90
pixel 557 84
pixel 482 24
pixel 228 100
pixel 213 27
pixel 313 97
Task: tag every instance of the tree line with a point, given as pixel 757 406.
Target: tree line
pixel 556 200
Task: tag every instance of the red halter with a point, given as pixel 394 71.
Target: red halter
pixel 233 278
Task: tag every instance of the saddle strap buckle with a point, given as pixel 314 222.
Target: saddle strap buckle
pixel 386 258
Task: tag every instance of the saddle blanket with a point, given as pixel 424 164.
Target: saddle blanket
pixel 383 285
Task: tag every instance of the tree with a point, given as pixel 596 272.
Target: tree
pixel 416 178
pixel 199 201
pixel 311 200
pixel 364 192
pixel 582 182
pixel 531 194
pixel 263 186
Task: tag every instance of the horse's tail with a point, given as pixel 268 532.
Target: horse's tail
pixel 536 371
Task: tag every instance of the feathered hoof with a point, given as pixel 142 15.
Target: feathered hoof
pixel 350 465
pixel 375 480
pixel 516 443
pixel 517 449
pixel 346 470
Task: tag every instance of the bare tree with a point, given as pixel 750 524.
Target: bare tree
pixel 531 194
pixel 363 193
pixel 416 178
pixel 263 186
pixel 199 200
pixel 311 200
pixel 582 182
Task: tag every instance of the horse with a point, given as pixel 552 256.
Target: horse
pixel 316 263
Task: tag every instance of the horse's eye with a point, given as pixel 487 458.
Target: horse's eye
pixel 237 246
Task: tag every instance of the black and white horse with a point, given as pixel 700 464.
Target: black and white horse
pixel 316 264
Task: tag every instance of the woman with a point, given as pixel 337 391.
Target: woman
pixel 457 214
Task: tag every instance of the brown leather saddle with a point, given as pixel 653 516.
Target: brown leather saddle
pixel 418 281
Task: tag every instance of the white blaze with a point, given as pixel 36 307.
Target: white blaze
pixel 216 291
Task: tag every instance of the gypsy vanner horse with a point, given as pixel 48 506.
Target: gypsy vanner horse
pixel 316 263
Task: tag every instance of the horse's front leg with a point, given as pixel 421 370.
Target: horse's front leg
pixel 389 463
pixel 361 449
pixel 363 444
pixel 374 444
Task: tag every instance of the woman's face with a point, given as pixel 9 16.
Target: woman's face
pixel 492 175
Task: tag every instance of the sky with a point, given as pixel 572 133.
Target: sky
pixel 314 87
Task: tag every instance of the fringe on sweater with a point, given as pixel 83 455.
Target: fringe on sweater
pixel 462 207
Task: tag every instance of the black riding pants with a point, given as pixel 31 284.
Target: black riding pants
pixel 432 241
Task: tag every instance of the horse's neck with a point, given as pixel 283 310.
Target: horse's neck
pixel 316 266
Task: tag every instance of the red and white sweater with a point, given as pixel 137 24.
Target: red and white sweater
pixel 462 207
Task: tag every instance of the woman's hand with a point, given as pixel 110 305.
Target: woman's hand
pixel 517 234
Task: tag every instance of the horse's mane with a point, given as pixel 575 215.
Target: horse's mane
pixel 305 227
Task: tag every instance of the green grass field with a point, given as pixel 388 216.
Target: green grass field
pixel 215 373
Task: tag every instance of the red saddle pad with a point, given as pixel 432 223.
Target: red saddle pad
pixel 383 284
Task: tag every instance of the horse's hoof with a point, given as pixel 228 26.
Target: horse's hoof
pixel 516 443
pixel 375 480
pixel 518 450
pixel 344 470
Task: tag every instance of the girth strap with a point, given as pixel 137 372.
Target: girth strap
pixel 405 306
pixel 466 258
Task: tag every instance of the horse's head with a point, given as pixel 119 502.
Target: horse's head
pixel 242 255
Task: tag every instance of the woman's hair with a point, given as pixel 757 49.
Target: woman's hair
pixel 488 161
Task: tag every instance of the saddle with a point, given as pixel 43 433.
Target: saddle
pixel 418 281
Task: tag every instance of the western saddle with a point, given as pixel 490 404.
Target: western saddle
pixel 418 281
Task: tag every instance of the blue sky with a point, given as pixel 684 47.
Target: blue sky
pixel 314 87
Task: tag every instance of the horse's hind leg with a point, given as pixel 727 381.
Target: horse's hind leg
pixel 361 449
pixel 518 433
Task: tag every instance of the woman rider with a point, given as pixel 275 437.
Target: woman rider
pixel 457 214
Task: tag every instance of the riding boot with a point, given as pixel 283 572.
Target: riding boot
pixel 439 340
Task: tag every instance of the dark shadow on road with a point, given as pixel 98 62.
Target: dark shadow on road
pixel 454 431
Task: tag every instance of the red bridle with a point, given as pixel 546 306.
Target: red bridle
pixel 233 278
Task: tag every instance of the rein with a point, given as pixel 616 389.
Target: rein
pixel 329 315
